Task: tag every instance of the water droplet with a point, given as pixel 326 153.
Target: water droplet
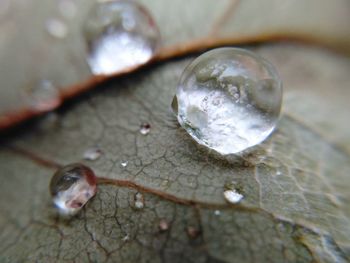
pixel 192 232
pixel 217 212
pixel 56 28
pixel 72 187
pixel 126 238
pixel 139 201
pixel 145 128
pixel 124 163
pixel 92 154
pixel 119 34
pixel 43 96
pixel 213 97
pixel 67 8
pixel 232 196
pixel 163 225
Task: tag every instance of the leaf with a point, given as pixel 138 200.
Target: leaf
pixel 30 55
pixel 295 185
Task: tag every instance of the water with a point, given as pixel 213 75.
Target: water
pixel 43 96
pixel 228 100
pixel 145 128
pixel 120 35
pixel 124 163
pixel 56 28
pixel 232 196
pixel 92 154
pixel 163 225
pixel 72 187
pixel 139 201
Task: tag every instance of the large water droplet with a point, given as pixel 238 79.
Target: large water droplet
pixel 120 34
pixel 43 96
pixel 229 99
pixel 72 187
pixel 56 28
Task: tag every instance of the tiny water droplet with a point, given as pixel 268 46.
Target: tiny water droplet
pixel 145 128
pixel 56 28
pixel 139 201
pixel 217 212
pixel 229 99
pixel 43 96
pixel 72 187
pixel 124 163
pixel 67 8
pixel 163 225
pixel 126 238
pixel 232 196
pixel 119 34
pixel 192 232
pixel 92 154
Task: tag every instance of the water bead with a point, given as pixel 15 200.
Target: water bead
pixel 119 34
pixel 228 99
pixel 72 187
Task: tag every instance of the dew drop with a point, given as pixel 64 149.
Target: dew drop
pixel 232 196
pixel 145 128
pixel 43 96
pixel 217 212
pixel 72 187
pixel 56 28
pixel 92 154
pixel 119 34
pixel 163 225
pixel 229 99
pixel 124 163
pixel 139 201
pixel 126 238
pixel 192 232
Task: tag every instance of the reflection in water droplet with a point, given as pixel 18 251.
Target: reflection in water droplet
pixel 43 96
pixel 92 154
pixel 124 163
pixel 67 8
pixel 119 34
pixel 217 212
pixel 229 99
pixel 163 225
pixel 72 187
pixel 232 196
pixel 56 28
pixel 145 128
pixel 139 201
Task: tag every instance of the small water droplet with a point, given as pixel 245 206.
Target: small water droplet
pixel 56 28
pixel 163 225
pixel 120 34
pixel 145 128
pixel 192 232
pixel 139 201
pixel 92 154
pixel 43 96
pixel 126 238
pixel 67 8
pixel 124 163
pixel 232 196
pixel 229 99
pixel 217 212
pixel 72 187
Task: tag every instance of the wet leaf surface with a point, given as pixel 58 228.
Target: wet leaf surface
pixel 295 185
